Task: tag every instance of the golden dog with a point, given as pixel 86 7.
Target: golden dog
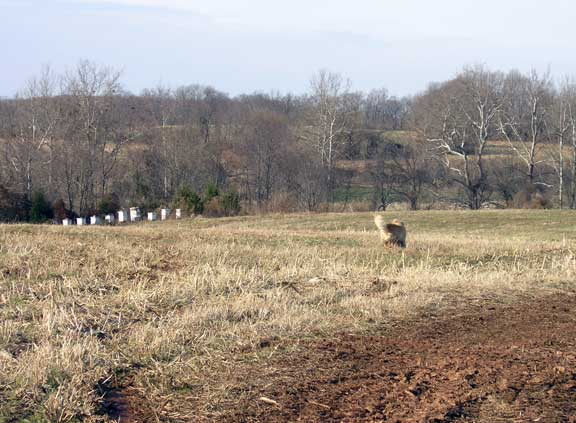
pixel 393 233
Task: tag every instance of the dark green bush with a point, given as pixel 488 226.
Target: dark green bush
pixel 210 192
pixel 230 203
pixel 223 205
pixel 211 204
pixel 13 206
pixel 40 209
pixel 188 200
pixel 110 203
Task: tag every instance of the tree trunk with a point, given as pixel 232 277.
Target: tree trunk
pixel 561 173
pixel 573 191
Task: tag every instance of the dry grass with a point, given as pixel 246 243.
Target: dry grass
pixel 177 304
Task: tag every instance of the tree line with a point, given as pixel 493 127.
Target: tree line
pixel 483 138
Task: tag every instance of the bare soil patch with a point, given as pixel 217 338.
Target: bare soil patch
pixel 513 363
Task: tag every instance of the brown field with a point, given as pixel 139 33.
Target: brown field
pixel 291 318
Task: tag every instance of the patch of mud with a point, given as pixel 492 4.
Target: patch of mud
pixel 122 401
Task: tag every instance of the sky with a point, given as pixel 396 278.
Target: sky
pixel 246 46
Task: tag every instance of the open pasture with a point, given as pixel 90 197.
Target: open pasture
pixel 160 319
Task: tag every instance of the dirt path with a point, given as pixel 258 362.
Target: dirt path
pixel 506 364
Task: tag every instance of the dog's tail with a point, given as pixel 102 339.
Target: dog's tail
pixel 380 222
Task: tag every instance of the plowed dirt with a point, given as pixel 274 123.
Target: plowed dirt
pixel 505 364
pixel 478 363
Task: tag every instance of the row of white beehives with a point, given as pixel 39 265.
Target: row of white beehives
pixel 124 216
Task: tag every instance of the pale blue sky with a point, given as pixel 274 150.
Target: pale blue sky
pixel 244 46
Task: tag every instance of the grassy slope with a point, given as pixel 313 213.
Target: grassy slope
pixel 361 188
pixel 176 304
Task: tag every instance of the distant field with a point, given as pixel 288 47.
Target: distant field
pixel 361 188
pixel 101 323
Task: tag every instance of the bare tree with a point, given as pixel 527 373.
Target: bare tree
pixel 382 176
pixel 459 118
pixel 374 108
pixel 568 94
pixel 523 120
pixel 327 119
pixel 264 147
pixel 162 109
pixel 29 148
pixel 559 129
pixel 93 136
pixel 382 111
pixel 413 172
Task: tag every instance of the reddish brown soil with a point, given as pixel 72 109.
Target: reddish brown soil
pixel 512 363
pixel 123 402
pixel 506 364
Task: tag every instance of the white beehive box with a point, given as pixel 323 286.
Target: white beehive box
pixel 152 216
pixel 164 213
pixel 135 214
pixel 67 222
pixel 95 220
pixel 178 213
pixel 122 216
pixel 109 218
pixel 81 221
